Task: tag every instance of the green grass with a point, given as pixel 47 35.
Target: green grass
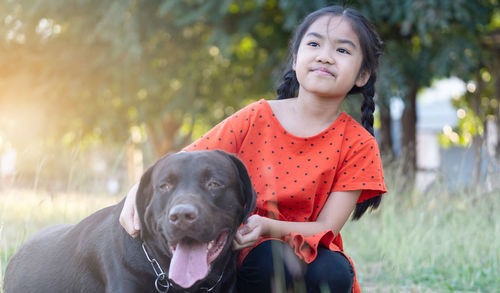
pixel 434 242
pixel 24 212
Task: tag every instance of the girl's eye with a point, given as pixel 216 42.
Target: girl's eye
pixel 343 51
pixel 313 44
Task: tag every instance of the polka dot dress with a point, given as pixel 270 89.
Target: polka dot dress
pixel 293 176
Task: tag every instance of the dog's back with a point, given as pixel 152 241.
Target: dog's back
pixel 31 264
pixel 67 258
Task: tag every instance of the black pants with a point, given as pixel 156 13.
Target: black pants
pixel 259 273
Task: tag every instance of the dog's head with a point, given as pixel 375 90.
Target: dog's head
pixel 193 203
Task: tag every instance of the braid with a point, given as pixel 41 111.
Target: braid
pixel 368 105
pixel 289 86
pixel 367 109
pixel 362 207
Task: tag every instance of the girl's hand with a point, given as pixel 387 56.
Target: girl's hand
pixel 129 218
pixel 247 235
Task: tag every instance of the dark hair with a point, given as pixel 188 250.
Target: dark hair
pixel 371 47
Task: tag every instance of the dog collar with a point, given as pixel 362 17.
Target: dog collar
pixel 162 283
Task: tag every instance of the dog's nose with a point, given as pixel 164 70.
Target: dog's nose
pixel 183 214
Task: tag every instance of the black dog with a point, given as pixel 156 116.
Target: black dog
pixel 190 205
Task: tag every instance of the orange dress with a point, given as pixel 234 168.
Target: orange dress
pixel 293 176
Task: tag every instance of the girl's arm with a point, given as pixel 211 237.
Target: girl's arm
pixel 129 219
pixel 333 216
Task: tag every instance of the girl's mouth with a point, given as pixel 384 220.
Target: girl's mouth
pixel 323 71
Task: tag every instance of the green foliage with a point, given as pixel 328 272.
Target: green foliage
pixel 109 65
pixel 475 107
pixel 427 39
pixel 91 70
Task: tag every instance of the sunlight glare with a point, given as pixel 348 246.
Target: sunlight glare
pixel 8 19
pixel 461 113
pixel 136 135
pixel 486 76
pixel 494 103
pixel 10 35
pixel 175 84
pixel 213 51
pixel 21 39
pixel 467 138
pixel 447 130
pixel 471 86
pixel 142 94
pixel 47 28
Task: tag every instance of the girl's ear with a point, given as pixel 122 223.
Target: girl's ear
pixel 294 62
pixel 362 78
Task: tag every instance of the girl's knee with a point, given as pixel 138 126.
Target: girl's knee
pixel 257 271
pixel 334 281
pixel 330 270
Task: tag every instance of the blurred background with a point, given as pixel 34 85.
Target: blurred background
pixel 92 92
pixel 106 87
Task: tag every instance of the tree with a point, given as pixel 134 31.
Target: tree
pixel 423 41
pixel 98 68
pixel 114 64
pixel 481 101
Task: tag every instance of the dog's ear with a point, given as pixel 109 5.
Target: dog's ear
pixel 245 186
pixel 145 193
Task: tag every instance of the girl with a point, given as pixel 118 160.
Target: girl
pixel 311 164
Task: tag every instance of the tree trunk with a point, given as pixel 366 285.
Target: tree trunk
pixel 135 163
pixel 408 138
pixel 385 132
pixel 477 144
pixel 167 139
pixel 163 142
pixel 478 139
pixel 497 114
pixel 492 43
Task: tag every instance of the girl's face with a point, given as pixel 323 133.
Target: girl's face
pixel 329 59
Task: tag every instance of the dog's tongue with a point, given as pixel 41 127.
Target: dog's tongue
pixel 189 263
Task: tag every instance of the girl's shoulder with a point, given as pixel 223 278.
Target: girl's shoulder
pixel 259 106
pixel 250 115
pixel 353 129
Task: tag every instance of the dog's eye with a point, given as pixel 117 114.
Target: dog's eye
pixel 213 184
pixel 164 187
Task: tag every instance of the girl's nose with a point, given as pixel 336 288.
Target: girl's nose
pixel 325 57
